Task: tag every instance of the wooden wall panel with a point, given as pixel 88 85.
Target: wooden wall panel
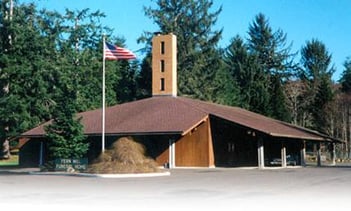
pixel 194 147
pixel 211 157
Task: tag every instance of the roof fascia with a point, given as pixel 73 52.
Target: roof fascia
pixel 195 125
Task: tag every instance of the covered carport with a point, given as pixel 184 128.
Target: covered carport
pixel 238 145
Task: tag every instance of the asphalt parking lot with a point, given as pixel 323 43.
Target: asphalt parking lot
pixel 324 188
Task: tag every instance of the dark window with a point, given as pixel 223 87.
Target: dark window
pixel 162 84
pixel 162 47
pixel 231 147
pixel 162 65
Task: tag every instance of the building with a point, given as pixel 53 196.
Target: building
pixel 183 132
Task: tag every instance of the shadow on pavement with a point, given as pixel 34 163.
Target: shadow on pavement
pixel 15 170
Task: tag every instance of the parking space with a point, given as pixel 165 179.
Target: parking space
pixel 324 188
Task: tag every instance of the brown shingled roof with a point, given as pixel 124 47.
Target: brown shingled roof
pixel 256 121
pixel 156 115
pixel 176 115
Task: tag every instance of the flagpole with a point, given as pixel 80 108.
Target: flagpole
pixel 103 97
pixel 114 53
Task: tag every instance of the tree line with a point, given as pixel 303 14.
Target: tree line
pixel 50 68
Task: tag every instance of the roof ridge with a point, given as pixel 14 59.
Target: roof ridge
pixel 227 107
pixel 182 99
pixel 116 105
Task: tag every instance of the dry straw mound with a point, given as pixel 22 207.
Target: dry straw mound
pixel 125 156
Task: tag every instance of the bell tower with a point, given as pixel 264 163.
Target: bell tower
pixel 164 65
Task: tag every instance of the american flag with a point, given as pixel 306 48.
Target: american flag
pixel 113 52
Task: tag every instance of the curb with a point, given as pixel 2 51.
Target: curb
pixel 135 175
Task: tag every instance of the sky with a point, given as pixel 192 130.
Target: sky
pixel 302 20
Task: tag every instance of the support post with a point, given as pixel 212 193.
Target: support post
pixel 283 155
pixel 171 150
pixel 333 153
pixel 41 154
pixel 319 154
pixel 303 154
pixel 260 153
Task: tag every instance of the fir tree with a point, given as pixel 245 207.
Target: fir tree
pixel 244 70
pixel 316 61
pixel 227 91
pixel 321 106
pixel 274 59
pixel 24 64
pixel 317 73
pixel 278 101
pixel 345 79
pixel 66 133
pixel 144 78
pixel 34 47
pixel 126 88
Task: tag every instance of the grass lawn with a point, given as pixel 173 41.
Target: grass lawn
pixel 13 161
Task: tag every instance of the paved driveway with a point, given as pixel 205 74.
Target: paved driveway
pixel 326 188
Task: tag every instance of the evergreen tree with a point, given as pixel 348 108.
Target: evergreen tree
pixel 236 63
pixel 24 64
pixel 345 79
pixel 270 46
pixel 144 78
pixel 37 48
pixel 278 100
pixel 66 133
pixel 244 70
pixel 274 60
pixel 317 73
pixel 316 61
pixel 126 88
pixel 321 106
pixel 260 66
pixel 198 59
pixel 74 81
pixel 227 91
pixel 83 32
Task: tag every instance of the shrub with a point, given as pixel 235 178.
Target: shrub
pixel 125 156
